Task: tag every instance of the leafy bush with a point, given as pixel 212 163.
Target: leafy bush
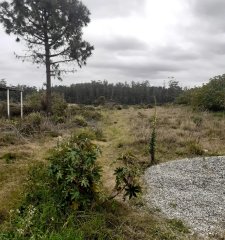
pixel 74 173
pixel 127 177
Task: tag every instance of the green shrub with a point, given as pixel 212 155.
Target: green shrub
pixel 37 102
pixel 74 173
pixel 208 97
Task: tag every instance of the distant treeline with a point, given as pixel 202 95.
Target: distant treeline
pixel 102 91
pixel 121 93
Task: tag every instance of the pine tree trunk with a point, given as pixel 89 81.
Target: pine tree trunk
pixel 48 84
pixel 48 74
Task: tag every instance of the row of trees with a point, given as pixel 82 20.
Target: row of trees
pixel 101 91
pixel 122 93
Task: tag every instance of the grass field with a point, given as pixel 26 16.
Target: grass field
pixel 181 133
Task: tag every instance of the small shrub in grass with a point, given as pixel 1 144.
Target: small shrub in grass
pixel 127 177
pixel 9 157
pixel 99 134
pixel 31 123
pixel 34 119
pixel 91 133
pixel 80 121
pixel 86 133
pixel 57 119
pixel 198 120
pixel 8 139
pixel 91 115
pixel 178 226
pixel 195 148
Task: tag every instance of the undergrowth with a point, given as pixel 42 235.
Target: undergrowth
pixel 66 194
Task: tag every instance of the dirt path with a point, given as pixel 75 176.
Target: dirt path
pixel 116 130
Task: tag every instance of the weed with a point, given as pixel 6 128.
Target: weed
pixel 9 157
pixel 152 144
pixel 198 120
pixel 120 145
pixel 195 148
pixel 178 225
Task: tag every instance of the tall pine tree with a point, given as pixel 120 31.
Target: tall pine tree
pixel 52 30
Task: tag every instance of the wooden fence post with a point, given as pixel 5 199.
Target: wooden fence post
pixel 8 104
pixel 21 103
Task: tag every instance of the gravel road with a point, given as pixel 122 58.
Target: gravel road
pixel 192 190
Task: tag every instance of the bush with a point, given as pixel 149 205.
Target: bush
pixel 37 102
pixel 74 173
pixel 31 123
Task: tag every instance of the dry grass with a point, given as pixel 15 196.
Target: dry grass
pixel 13 172
pixel 181 132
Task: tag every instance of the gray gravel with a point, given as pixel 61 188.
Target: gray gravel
pixel 192 190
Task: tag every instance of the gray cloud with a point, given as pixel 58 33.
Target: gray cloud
pixel 209 15
pixel 124 44
pixel 115 8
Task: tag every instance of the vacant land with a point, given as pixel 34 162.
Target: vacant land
pixel 181 133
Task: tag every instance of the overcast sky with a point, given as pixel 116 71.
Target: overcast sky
pixel 138 40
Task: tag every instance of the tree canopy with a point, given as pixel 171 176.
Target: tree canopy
pixel 52 30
